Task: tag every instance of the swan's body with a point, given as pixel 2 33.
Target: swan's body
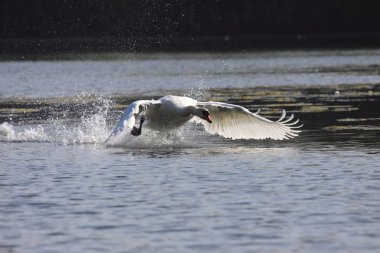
pixel 172 112
pixel 227 120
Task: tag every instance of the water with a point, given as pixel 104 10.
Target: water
pixel 61 187
pixel 142 73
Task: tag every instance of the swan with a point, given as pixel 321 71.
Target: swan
pixel 228 120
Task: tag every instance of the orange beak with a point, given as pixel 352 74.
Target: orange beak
pixel 209 119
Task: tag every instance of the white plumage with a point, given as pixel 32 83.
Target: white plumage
pixel 228 120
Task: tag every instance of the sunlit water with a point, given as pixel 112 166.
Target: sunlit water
pixel 62 188
pixel 142 73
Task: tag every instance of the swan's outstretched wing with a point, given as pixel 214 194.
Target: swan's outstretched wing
pixel 129 116
pixel 236 122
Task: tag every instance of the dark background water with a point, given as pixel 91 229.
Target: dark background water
pixel 30 27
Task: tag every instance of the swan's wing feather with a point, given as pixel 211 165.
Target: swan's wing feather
pixel 237 122
pixel 129 116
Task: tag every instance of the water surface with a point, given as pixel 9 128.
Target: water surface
pixel 186 191
pixel 115 73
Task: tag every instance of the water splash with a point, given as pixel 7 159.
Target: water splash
pixel 200 93
pixel 91 128
pixel 9 132
pixel 94 129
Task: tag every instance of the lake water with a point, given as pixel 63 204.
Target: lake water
pixel 115 73
pixel 62 188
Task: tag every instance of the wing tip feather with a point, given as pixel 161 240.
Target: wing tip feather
pixel 291 126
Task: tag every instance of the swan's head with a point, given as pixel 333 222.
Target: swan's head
pixel 206 116
pixel 200 112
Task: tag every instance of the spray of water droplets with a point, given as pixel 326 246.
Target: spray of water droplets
pixel 91 128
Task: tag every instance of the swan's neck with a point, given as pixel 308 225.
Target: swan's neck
pixel 194 110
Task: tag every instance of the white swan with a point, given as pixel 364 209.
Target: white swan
pixel 227 120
